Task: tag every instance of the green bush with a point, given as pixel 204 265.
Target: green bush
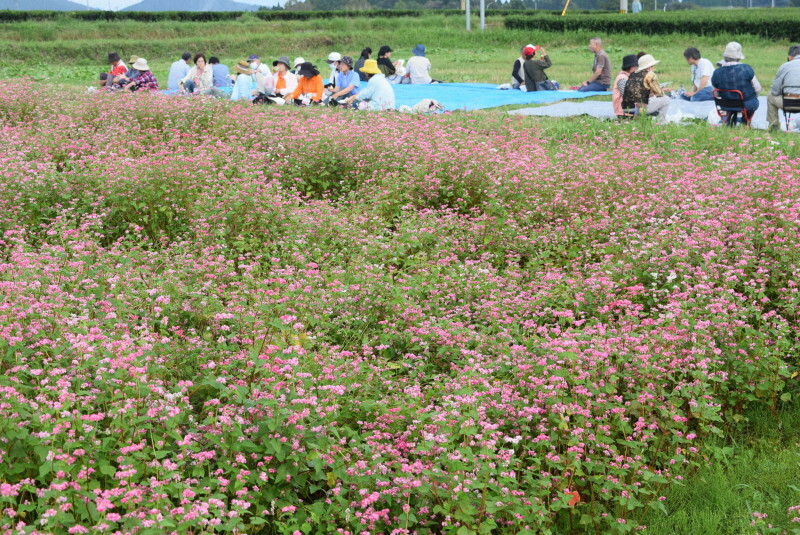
pixel 783 23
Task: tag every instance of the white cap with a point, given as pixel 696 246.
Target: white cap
pixel 334 56
pixel 298 61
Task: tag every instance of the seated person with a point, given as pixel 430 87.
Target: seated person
pixel 117 69
pixel 220 73
pixel 517 73
pixel 639 90
pixel 419 67
pixel 534 68
pixel 285 80
pixel 333 60
pixel 734 75
pixel 387 67
pixel 787 83
pixel 265 82
pixel 629 65
pixel 347 81
pixel 702 70
pixel 601 68
pixel 199 79
pixel 366 53
pixel 145 80
pixel 178 70
pixel 378 95
pixel 310 89
pixel 244 85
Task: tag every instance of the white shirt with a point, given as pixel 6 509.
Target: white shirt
pixel 419 68
pixel 703 68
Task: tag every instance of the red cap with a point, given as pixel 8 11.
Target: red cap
pixel 529 50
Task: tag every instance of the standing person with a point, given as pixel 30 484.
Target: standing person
pixel 534 68
pixel 333 60
pixel 419 67
pixel 601 68
pixel 116 70
pixel 734 75
pixel 285 80
pixel 145 80
pixel 310 87
pixel 787 83
pixel 177 71
pixel 636 6
pixel 366 53
pixel 629 65
pixel 220 74
pixel 702 71
pixel 347 81
pixel 378 95
pixel 199 79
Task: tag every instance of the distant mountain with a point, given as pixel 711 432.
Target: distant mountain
pixel 195 5
pixel 43 5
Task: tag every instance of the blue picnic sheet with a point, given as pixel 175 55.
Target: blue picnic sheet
pixel 478 96
pixel 472 96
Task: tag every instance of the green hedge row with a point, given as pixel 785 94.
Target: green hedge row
pixel 779 23
pixel 211 16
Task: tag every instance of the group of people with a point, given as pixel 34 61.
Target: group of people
pixel 299 82
pixel 636 87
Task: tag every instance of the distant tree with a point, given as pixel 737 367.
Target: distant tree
pixel 358 5
pixel 298 5
pixel 516 4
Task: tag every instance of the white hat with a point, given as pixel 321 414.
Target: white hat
pixel 298 61
pixel 141 65
pixel 334 56
pixel 647 61
pixel 733 50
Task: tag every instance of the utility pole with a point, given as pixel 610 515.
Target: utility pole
pixel 483 15
pixel 469 22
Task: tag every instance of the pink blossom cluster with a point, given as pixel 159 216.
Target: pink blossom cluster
pixel 223 318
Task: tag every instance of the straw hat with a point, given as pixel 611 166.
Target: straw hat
pixel 141 65
pixel 133 59
pixel 243 67
pixel 370 67
pixel 647 61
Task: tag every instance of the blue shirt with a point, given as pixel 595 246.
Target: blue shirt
pixel 379 93
pixel 343 80
pixel 222 76
pixel 738 76
pixel 177 71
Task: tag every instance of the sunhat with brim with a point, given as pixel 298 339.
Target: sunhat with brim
pixel 347 60
pixel 307 69
pixel 333 56
pixel 284 60
pixel 370 67
pixel 419 50
pixel 647 61
pixel 133 59
pixel 629 61
pixel 733 50
pixel 141 65
pixel 298 61
pixel 243 67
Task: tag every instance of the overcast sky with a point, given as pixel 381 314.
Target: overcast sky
pixel 119 4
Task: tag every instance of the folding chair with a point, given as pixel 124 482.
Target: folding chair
pixel 731 102
pixel 791 104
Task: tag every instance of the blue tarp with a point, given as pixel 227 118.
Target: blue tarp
pixel 472 96
pixel 478 96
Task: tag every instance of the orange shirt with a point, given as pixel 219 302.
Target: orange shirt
pixel 312 86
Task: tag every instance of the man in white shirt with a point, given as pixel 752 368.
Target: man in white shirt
pixel 702 71
pixel 265 82
pixel 786 84
pixel 419 67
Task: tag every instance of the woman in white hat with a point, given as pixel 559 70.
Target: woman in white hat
pixel 643 91
pixel 735 75
pixel 145 80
